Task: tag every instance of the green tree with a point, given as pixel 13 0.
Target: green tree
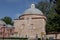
pixel 53 18
pixel 7 20
pixel 48 9
pixel 57 6
pixel 43 6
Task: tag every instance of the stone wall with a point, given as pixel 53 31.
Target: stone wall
pixel 30 26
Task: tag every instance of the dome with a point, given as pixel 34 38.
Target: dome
pixel 33 10
pixel 2 22
pixel 10 26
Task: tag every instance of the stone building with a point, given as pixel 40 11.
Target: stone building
pixel 5 30
pixel 31 23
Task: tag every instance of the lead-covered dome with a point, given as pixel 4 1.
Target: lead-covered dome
pixel 33 10
pixel 2 22
pixel 10 26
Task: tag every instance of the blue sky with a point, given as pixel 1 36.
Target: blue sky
pixel 14 8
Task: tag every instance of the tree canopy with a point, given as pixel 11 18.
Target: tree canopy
pixel 7 20
pixel 57 6
pixel 53 17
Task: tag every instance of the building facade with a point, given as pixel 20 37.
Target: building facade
pixel 5 30
pixel 31 23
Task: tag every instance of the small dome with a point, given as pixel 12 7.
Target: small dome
pixel 10 26
pixel 2 22
pixel 33 10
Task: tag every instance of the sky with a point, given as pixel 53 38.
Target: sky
pixel 14 8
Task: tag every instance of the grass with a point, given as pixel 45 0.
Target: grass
pixel 13 39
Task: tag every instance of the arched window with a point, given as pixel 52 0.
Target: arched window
pixel 32 26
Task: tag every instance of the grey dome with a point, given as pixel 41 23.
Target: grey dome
pixel 10 26
pixel 33 10
pixel 2 22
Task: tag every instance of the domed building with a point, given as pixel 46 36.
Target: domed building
pixel 5 30
pixel 2 27
pixel 31 23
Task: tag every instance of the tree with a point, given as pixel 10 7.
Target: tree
pixel 53 18
pixel 43 6
pixel 57 5
pixel 7 20
pixel 57 9
pixel 49 11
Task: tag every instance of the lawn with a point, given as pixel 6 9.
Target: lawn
pixel 13 38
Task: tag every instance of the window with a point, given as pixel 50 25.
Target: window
pixel 27 18
pixel 31 27
pixel 3 25
pixel 7 29
pixel 10 30
pixel 22 24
